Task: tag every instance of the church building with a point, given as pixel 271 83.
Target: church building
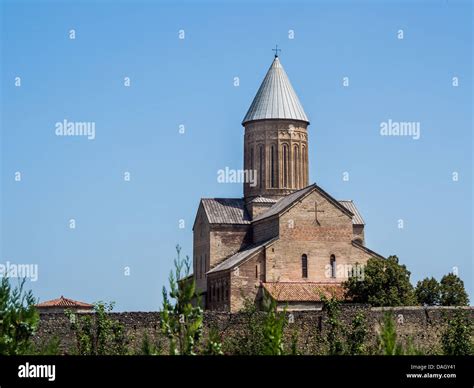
pixel 286 238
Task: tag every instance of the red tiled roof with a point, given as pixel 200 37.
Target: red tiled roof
pixel 303 291
pixel 64 302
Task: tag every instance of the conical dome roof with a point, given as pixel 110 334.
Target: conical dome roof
pixel 276 98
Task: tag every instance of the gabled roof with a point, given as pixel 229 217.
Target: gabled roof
pixel 64 302
pixel 226 210
pixel 287 201
pixel 303 291
pixel 366 250
pixel 241 256
pixel 276 98
pixel 350 205
pixel 284 203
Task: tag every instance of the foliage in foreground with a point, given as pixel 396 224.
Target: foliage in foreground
pixel 456 339
pixel 340 338
pixel 98 333
pixel 273 325
pixel 251 338
pixel 181 316
pixel 388 343
pixel 18 318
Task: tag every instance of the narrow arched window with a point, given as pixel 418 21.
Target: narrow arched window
pixel 272 166
pixel 261 161
pixel 304 266
pixel 285 165
pixel 296 158
pixel 332 262
pixel 303 166
pixel 251 159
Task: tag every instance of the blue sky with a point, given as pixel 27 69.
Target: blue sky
pixel 190 82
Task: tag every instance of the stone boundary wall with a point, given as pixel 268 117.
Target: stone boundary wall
pixel 422 326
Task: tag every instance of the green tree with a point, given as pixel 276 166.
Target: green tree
pixel 384 283
pixel 98 333
pixel 148 348
pixel 18 318
pixel 357 335
pixel 214 345
pixel 456 339
pixel 388 340
pixel 273 326
pixel 335 329
pixel 452 291
pixel 182 319
pixel 427 292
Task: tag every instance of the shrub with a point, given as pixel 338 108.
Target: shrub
pixel 357 335
pixel 18 318
pixel 388 341
pixel 335 329
pixel 273 325
pixel 182 319
pixel 456 340
pixel 97 333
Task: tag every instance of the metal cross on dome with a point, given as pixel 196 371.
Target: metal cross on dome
pixel 276 49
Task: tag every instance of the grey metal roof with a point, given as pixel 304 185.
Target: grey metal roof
pixel 240 256
pixel 349 205
pixel 226 210
pixel 283 203
pixel 276 98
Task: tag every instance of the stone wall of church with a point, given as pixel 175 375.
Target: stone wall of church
pixel 265 230
pixel 218 291
pixel 422 325
pixel 201 249
pixel 245 282
pixel 319 239
pixel 225 240
pixel 255 209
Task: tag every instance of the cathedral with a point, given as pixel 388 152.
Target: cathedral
pixel 286 238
